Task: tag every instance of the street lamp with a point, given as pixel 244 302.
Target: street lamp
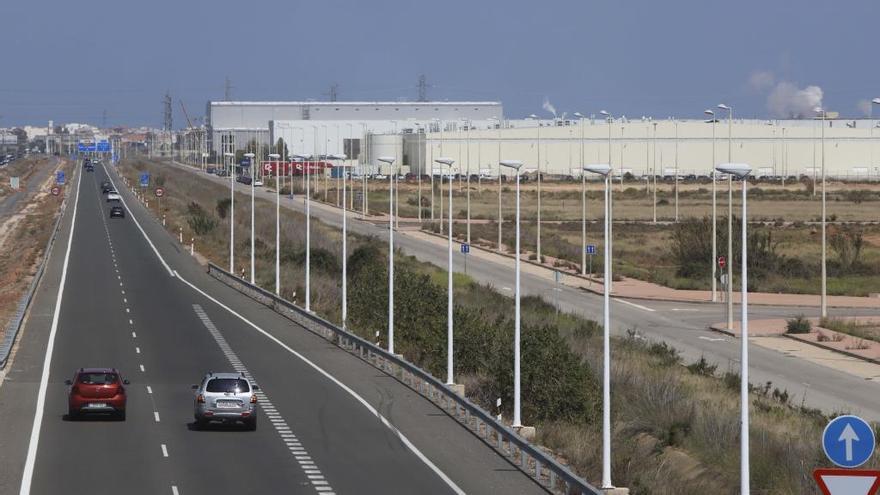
pixel 583 200
pixel 276 157
pixel 231 157
pixel 729 110
pixel 605 171
pixel 875 101
pixel 390 161
pixel 538 226
pixel 823 305
pixel 517 419
pixel 500 219
pixel 344 241
pixel 307 171
pixel 742 171
pixel 250 157
pixel 713 261
pixel 449 352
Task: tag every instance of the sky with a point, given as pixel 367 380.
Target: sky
pixel 73 61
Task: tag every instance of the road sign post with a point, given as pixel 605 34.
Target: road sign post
pixel 465 249
pixel 591 250
pixel 159 193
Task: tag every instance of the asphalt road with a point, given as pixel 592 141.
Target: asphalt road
pixel 682 325
pixel 131 299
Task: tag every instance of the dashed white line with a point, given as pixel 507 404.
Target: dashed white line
pixel 142 368
pixel 174 490
pixel 164 450
pixel 643 308
pixel 149 389
pixel 137 350
pixel 130 322
pixel 134 335
pixel 156 416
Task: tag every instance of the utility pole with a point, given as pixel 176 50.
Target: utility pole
pixel 167 125
pixel 423 88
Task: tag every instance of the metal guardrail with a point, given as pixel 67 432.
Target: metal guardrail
pixel 539 465
pixel 15 323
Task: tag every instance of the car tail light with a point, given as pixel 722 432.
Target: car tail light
pixel 253 399
pixel 200 399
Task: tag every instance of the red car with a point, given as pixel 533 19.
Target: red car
pixel 96 390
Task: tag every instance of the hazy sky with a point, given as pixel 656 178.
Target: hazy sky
pixel 70 61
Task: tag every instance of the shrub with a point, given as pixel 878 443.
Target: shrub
pixel 847 242
pixel 223 207
pixel 798 324
pixel 199 220
pixel 702 367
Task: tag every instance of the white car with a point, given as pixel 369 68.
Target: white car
pixel 258 183
pixel 113 197
pixel 380 176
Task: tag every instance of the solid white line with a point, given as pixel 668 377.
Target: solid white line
pixel 28 474
pixel 161 259
pixel 644 308
pixel 156 416
pixel 164 450
pixel 341 385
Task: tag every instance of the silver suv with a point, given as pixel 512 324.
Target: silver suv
pixel 225 397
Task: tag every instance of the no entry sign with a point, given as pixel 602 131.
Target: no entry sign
pixel 160 192
pixel 722 261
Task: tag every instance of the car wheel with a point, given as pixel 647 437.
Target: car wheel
pixel 120 415
pixel 251 424
pixel 72 414
pixel 200 423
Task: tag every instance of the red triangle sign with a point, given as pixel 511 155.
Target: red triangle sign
pixel 847 481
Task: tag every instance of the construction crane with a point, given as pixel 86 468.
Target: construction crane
pixel 188 121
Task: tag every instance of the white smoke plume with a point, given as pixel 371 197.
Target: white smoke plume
pixel 549 107
pixel 788 101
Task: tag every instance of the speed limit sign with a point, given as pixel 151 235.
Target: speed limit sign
pixel 722 261
pixel 160 192
pixel 55 190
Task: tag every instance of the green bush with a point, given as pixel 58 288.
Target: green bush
pixel 199 221
pixel 798 324
pixel 223 207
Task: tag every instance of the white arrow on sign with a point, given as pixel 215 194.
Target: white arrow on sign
pixel 849 436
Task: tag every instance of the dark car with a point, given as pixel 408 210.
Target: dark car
pixel 90 168
pixel 244 179
pixel 96 391
pixel 107 189
pixel 211 170
pixel 117 212
pixel 222 172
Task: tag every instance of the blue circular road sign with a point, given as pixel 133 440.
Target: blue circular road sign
pixel 848 441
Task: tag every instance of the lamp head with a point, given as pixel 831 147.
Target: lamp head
pixel 708 111
pixel 445 161
pixel 514 164
pixel 740 170
pixel 876 101
pixel 338 157
pixel 722 106
pixel 602 169
pixel 387 159
pixel 274 156
pixel 229 154
pixel 249 155
pixel 302 157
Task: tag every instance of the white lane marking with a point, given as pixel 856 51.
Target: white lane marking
pixel 644 308
pixel 149 389
pixel 451 484
pixel 174 490
pixel 156 416
pixel 278 423
pixel 164 450
pixel 712 339
pixel 684 309
pixel 33 444
pixel 127 310
pixel 506 288
pixel 130 322
pixel 137 350
pixel 123 293
pixel 161 259
pixel 125 300
pixel 134 335
pixel 142 367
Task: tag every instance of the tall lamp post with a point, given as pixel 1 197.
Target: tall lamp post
pixel 742 171
pixel 252 161
pixel 342 158
pixel 500 219
pixel 875 101
pixel 538 224
pixel 823 303
pixel 276 158
pixel 714 259
pixel 231 157
pixel 605 171
pixel 729 110
pixel 583 200
pixel 308 172
pixel 449 325
pixel 610 237
pixel 390 161
pixel 516 165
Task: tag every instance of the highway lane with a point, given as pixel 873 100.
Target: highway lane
pixel 682 325
pixel 122 308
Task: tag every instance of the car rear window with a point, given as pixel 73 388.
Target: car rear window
pixel 227 385
pixel 98 378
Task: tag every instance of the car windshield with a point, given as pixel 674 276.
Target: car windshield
pixel 97 378
pixel 227 385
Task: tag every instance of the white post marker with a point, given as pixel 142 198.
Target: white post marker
pixel 252 158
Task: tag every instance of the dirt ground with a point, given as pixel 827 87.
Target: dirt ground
pixel 23 237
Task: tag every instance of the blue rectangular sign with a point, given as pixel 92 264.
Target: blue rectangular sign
pixel 145 179
pixel 591 249
pixel 465 248
pixel 59 178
